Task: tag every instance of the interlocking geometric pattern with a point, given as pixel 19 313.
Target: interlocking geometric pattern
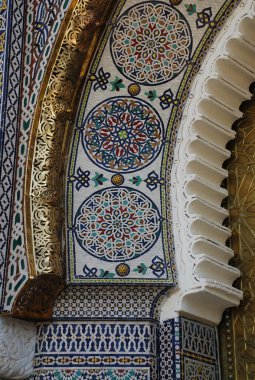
pixel 17 271
pixel 123 134
pixel 198 338
pixel 6 138
pixel 10 69
pixel 62 337
pixel 117 224
pixel 188 350
pixel 88 302
pixel 199 371
pixel 151 43
pixel 93 346
pixel 93 374
pixel 3 50
pixel 167 350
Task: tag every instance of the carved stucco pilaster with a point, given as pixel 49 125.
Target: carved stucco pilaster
pixel 17 347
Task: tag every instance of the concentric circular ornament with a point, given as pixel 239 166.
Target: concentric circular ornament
pixel 151 43
pixel 123 134
pixel 117 224
pixel 117 179
pixel 122 270
pixel 134 89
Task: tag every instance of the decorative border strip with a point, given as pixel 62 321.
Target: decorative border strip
pixel 43 200
pixel 17 260
pixel 9 124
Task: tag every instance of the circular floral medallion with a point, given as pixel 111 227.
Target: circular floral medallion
pixel 151 43
pixel 117 224
pixel 123 134
pixel 122 270
pixel 134 89
pixel 117 179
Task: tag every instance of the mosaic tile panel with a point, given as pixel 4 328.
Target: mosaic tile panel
pixel 42 18
pixel 94 374
pixel 199 371
pixel 10 69
pixel 167 347
pixel 124 349
pixel 198 338
pixel 188 350
pixel 45 26
pixel 116 350
pixel 4 29
pixel 97 302
pixel 118 203
pixel 5 169
pixel 151 43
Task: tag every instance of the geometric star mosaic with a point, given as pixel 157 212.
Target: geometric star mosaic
pixel 151 43
pixel 100 302
pixel 119 176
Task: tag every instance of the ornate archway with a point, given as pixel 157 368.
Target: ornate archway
pixel 193 157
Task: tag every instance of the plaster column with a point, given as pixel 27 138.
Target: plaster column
pixel 17 348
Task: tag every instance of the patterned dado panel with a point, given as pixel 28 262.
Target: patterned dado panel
pixel 118 203
pixel 96 350
pixel 188 350
pixel 100 302
pixel 126 350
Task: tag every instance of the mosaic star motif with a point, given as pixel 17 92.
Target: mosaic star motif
pixel 123 134
pixel 117 224
pixel 151 43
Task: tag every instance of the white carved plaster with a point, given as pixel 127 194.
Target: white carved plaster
pixel 205 279
pixel 17 348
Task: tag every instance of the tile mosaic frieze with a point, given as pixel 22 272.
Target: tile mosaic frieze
pixel 123 350
pixel 93 374
pixel 11 35
pixel 95 350
pixel 31 40
pixel 100 302
pixel 118 203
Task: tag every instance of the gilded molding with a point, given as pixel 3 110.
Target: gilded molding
pixel 37 297
pixel 49 144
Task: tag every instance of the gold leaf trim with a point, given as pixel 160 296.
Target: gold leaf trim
pixel 51 134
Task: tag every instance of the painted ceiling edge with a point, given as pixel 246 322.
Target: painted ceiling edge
pixel 55 112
